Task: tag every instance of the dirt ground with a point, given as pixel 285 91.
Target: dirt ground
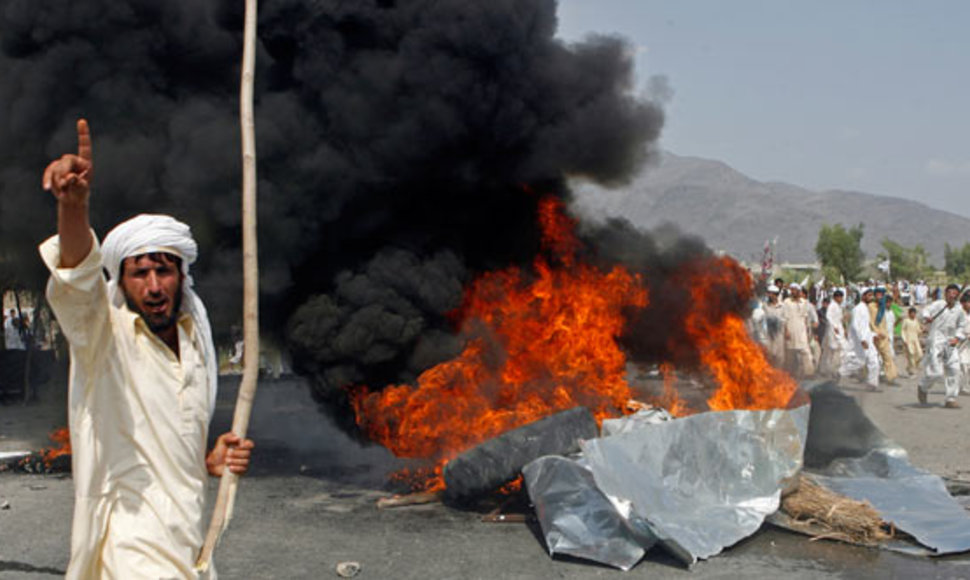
pixel 309 504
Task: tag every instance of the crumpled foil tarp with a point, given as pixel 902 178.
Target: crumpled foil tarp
pixel 848 454
pixel 697 484
pixel 577 519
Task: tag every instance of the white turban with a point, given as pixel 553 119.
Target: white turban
pixel 144 234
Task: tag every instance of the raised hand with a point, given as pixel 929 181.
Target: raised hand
pixel 69 178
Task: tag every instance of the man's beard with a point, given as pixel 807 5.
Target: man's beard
pixel 155 323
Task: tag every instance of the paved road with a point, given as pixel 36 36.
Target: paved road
pixel 309 505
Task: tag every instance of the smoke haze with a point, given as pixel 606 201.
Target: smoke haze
pixel 394 142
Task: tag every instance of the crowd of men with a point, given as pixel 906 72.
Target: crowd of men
pixel 840 333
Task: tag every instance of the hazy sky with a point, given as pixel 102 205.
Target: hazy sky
pixel 850 94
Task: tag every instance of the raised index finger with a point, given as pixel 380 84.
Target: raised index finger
pixel 83 140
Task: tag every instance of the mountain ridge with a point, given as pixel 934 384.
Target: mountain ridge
pixel 736 213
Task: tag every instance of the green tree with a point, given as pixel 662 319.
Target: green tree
pixel 957 262
pixel 841 250
pixel 905 263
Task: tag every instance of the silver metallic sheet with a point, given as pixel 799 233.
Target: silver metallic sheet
pixel 576 518
pixel 915 501
pixel 704 482
pixel 634 421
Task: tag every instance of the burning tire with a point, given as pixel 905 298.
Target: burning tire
pixel 492 464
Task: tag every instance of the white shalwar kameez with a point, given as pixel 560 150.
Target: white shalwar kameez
pixel 942 360
pixel 139 419
pixel 965 359
pixel 859 356
pixel 798 352
pixel 833 343
pixel 775 326
pixel 756 324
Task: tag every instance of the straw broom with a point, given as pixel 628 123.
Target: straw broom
pixel 247 389
pixel 841 517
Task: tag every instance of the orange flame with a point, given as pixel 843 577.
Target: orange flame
pixel 745 378
pixel 671 398
pixel 541 344
pixel 62 437
pixel 546 341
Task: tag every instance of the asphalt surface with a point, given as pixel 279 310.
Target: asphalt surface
pixel 309 504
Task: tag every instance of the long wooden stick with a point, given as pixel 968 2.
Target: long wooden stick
pixel 419 498
pixel 247 388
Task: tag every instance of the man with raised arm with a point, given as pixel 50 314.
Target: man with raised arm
pixel 142 384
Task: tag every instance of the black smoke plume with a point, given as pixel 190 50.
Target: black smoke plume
pixel 394 139
pixel 670 264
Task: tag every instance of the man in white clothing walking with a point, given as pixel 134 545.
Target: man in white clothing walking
pixel 942 359
pixel 833 343
pixel 862 352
